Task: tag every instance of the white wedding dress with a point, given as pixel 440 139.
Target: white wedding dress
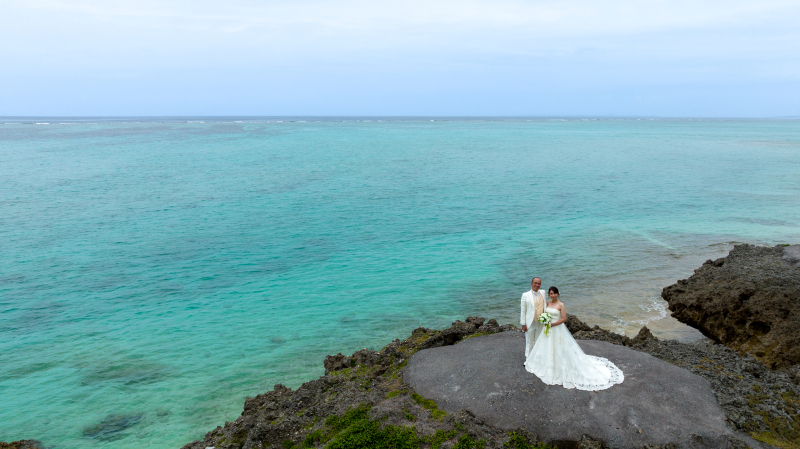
pixel 558 360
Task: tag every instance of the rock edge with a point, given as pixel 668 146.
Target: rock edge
pixel 748 300
pixel 756 400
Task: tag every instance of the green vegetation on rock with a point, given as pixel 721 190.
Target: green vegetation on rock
pixel 784 431
pixel 439 437
pixel 518 441
pixel 355 430
pixel 467 442
pixel 476 334
pixel 430 405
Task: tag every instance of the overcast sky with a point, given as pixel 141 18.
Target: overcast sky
pixel 462 57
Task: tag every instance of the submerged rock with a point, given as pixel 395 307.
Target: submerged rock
pixel 111 427
pixel 21 444
pixel 749 301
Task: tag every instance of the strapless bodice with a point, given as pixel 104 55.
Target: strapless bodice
pixel 555 314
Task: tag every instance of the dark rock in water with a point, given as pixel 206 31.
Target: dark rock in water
pixel 112 426
pixel 22 444
pixel 749 300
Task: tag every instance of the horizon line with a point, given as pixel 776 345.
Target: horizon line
pixel 395 117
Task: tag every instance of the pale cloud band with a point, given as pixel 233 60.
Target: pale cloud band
pixel 559 42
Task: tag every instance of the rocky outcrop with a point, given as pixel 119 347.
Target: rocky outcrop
pixel 582 331
pixel 749 300
pixel 428 338
pixel 363 401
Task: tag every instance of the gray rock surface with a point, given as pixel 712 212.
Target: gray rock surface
pixel 658 403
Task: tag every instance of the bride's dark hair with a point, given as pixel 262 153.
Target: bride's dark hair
pixel 553 289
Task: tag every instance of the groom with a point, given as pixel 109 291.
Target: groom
pixel 531 306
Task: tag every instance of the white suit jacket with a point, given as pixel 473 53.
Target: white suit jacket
pixel 527 314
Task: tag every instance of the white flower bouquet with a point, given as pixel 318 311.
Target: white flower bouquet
pixel 545 319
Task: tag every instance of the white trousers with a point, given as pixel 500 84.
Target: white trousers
pixel 530 336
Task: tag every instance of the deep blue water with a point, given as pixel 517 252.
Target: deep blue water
pixel 159 272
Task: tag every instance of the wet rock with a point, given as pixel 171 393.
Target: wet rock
pixel 749 301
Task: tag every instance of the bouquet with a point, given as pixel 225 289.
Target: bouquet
pixel 545 319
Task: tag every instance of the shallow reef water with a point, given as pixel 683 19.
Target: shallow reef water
pixel 153 275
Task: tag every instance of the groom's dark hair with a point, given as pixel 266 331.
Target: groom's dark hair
pixel 534 278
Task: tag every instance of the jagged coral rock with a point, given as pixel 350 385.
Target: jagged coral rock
pixel 749 301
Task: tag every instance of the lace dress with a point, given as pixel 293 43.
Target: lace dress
pixel 558 360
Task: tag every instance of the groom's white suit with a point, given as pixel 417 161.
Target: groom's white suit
pixel 531 306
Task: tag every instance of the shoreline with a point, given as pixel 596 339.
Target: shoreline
pixel 368 385
pixel 758 401
pixel 758 391
pixel 359 388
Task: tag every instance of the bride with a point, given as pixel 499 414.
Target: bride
pixel 557 359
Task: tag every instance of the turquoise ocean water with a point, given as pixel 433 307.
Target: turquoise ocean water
pixel 154 274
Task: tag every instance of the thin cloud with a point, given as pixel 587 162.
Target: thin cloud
pixel 474 45
pixel 562 17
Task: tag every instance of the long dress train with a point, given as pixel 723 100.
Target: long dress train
pixel 558 360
